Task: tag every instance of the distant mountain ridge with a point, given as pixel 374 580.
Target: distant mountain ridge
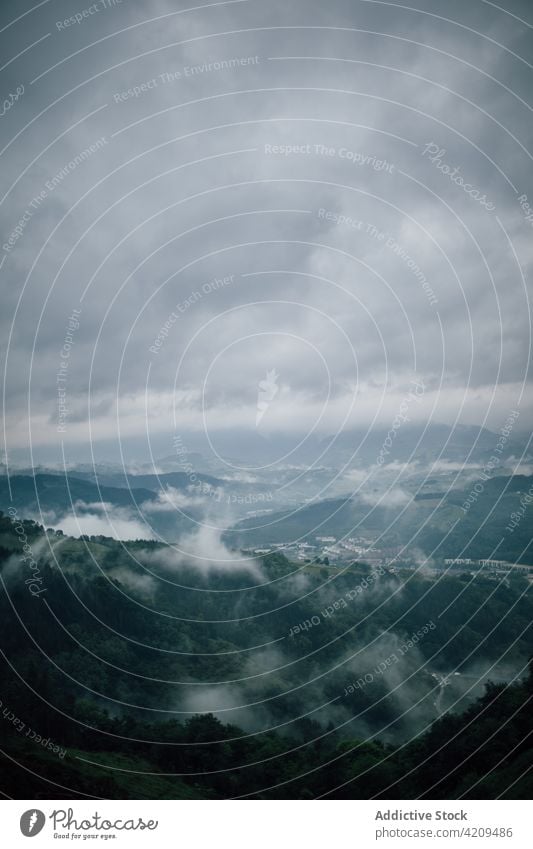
pixel 432 522
pixel 59 492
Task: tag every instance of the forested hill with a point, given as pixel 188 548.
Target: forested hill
pixel 59 493
pixel 97 672
pixel 433 522
pixel 483 753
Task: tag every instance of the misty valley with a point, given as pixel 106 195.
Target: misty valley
pixel 184 633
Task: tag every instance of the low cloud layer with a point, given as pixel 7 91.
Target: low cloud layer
pixel 204 551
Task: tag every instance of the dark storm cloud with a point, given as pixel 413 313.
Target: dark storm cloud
pixel 248 187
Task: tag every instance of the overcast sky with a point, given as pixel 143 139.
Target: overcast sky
pixel 193 167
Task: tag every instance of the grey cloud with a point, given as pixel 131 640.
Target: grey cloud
pixel 146 266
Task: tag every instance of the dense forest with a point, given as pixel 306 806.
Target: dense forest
pixel 129 673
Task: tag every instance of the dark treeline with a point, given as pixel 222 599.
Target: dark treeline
pixel 98 667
